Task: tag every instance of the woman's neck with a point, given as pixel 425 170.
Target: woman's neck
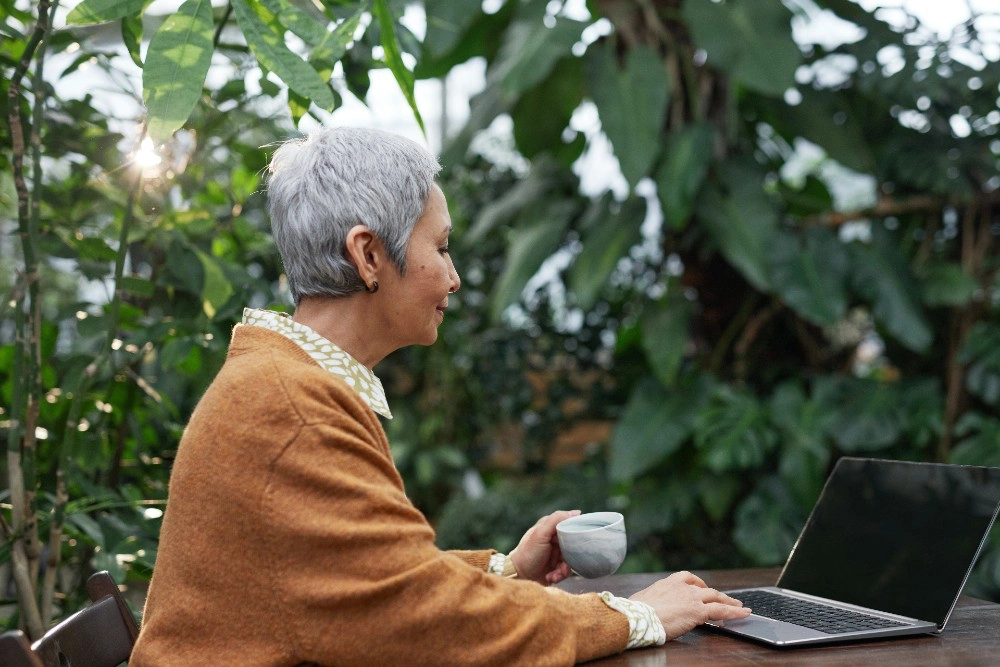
pixel 347 322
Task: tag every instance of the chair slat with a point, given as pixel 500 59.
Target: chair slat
pixel 95 636
pixel 15 650
pixel 99 635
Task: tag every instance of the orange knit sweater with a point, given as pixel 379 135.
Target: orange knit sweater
pixel 288 539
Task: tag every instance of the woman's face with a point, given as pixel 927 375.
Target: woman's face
pixel 417 300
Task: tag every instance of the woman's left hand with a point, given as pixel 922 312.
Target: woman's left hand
pixel 537 556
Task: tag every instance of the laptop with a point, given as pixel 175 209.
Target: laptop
pixel 885 552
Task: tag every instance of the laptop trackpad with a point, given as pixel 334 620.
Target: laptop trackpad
pixel 765 629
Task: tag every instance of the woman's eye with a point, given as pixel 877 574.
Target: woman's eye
pixel 444 250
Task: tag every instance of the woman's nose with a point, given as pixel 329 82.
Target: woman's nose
pixel 456 281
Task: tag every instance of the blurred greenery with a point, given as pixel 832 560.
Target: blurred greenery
pixel 798 261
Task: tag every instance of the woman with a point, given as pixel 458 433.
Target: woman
pixel 288 537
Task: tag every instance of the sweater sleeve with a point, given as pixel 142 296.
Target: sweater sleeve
pixel 477 559
pixel 365 582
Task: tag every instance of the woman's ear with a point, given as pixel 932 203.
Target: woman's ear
pixel 366 251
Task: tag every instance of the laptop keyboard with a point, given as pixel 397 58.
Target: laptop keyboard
pixel 814 615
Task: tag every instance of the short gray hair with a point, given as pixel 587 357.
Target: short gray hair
pixel 338 177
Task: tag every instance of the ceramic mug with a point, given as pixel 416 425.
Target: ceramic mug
pixel 593 544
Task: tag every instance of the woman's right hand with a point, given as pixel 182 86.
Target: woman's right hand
pixel 683 601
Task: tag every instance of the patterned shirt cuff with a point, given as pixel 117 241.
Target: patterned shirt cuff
pixel 644 628
pixel 502 566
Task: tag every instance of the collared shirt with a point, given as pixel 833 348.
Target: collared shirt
pixel 645 628
pixel 326 354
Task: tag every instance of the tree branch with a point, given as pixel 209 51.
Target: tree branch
pixel 22 437
pixel 887 207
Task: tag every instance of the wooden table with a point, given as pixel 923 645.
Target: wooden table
pixel 971 638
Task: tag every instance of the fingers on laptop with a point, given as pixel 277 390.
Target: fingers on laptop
pixel 688 578
pixel 720 611
pixel 722 606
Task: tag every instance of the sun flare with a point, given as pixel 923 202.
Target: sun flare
pixel 147 157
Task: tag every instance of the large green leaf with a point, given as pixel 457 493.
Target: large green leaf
pixel 810 197
pixel 542 114
pixel 526 193
pixel 742 220
pixel 447 22
pixel 751 41
pixel 877 31
pixel 632 104
pixel 687 156
pixel 91 247
pixel 100 11
pixel 301 18
pixel 217 289
pixel 482 37
pixel 732 431
pixel 509 73
pixel 264 35
pixel 185 268
pixel 86 526
pixel 802 422
pixel 527 248
pixel 393 57
pixel 484 107
pixel 142 287
pixel 530 51
pixel 177 352
pixel 333 45
pixel 981 355
pixel 882 276
pixel 828 122
pixel 947 284
pixel 767 523
pixel 658 503
pixel 604 244
pixel 808 273
pixel 132 38
pixel 867 415
pixel 979 440
pixel 655 424
pixel 177 62
pixel 717 494
pixel 666 333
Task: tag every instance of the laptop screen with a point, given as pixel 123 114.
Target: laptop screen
pixel 896 536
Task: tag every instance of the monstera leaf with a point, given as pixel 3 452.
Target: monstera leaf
pixel 732 431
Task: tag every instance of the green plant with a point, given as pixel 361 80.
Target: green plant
pixel 732 315
pixel 128 275
pixel 770 321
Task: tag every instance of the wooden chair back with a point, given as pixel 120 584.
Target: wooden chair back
pixel 99 635
pixel 15 650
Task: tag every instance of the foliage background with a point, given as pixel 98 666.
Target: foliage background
pixel 702 341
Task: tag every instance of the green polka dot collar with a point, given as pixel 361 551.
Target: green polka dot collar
pixel 326 354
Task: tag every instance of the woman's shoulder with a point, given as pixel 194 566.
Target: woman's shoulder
pixel 260 358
